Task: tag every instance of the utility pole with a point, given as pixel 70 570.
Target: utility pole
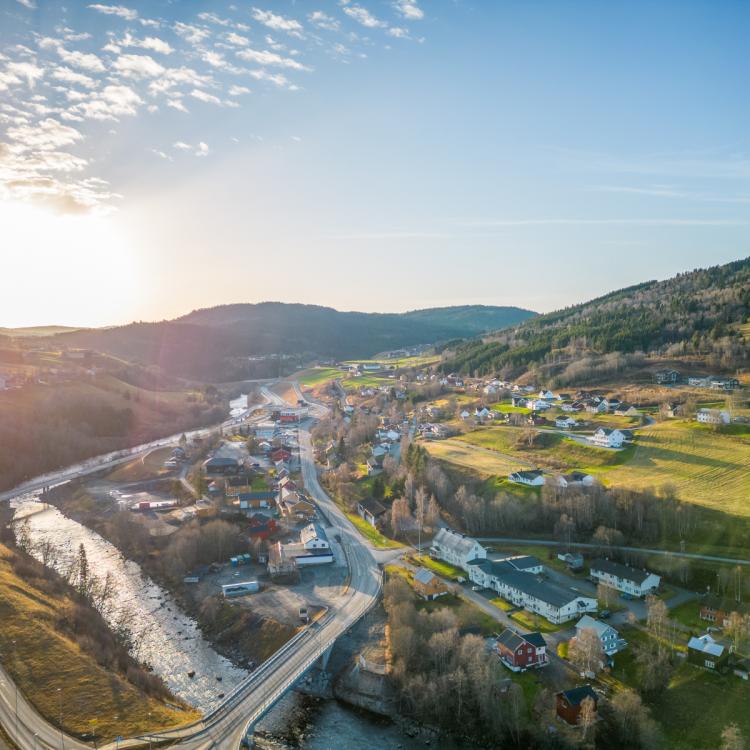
pixel 15 682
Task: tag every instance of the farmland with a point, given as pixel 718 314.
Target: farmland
pixel 706 467
pixel 484 462
pixel 317 375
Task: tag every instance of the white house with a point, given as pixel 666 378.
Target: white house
pixel 575 479
pixel 596 407
pixel 533 478
pixel 547 395
pixel 313 537
pixel 565 423
pixel 538 404
pixel 465 414
pixel 713 416
pixel 481 412
pixel 607 438
pixel 624 578
pixel 456 548
pixel 608 636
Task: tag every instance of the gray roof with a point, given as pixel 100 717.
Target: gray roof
pixel 424 576
pixel 624 572
pixel 553 594
pixel 497 568
pixel 706 645
pixel 313 531
pixel 458 543
pixel 589 623
pixel 524 562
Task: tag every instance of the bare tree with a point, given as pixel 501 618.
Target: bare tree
pixel 587 716
pixel 732 738
pixel 586 652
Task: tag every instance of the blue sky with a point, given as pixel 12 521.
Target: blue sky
pixel 374 155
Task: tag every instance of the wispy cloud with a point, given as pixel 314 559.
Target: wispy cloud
pixel 127 14
pixel 574 222
pixel 409 9
pixel 277 22
pixel 664 191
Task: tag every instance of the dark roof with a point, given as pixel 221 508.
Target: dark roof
pixel 371 505
pixel 496 568
pixel 725 604
pixel 266 495
pixel 621 571
pixel 510 639
pixel 535 639
pixel 576 696
pixel 546 591
pixel 221 461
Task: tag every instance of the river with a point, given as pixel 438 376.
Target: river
pixel 171 643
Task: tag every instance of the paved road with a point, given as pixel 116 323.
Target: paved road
pixel 644 550
pixel 226 726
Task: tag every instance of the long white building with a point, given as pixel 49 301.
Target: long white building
pixel 624 578
pixel 456 548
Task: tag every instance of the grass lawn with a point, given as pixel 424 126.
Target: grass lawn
pixel 505 407
pixel 708 468
pixel 438 566
pixel 372 534
pixel 150 466
pixel 533 621
pixel 317 375
pixel 687 614
pixel 367 381
pixel 44 659
pixel 501 604
pixel 416 361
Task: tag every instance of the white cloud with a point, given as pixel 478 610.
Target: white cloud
pixel 276 22
pixel 266 57
pixel 236 39
pixel 191 34
pixel 116 10
pixel 238 90
pixel 177 104
pixel 161 154
pixel 86 60
pixel 138 66
pixel 30 4
pixel 202 149
pixel 152 43
pixel 30 71
pixel 71 76
pixel 323 21
pixel 409 9
pixel 181 146
pixel 46 135
pixel 113 102
pixel 363 16
pixel 204 96
pixel 398 32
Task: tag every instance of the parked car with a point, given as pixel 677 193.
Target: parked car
pixel 604 614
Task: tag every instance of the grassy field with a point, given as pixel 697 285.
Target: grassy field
pixel 44 659
pixel 533 621
pixel 317 375
pixel 367 381
pixel 469 617
pixel 551 451
pixel 484 462
pixel 707 467
pixel 371 534
pixel 418 361
pixel 438 566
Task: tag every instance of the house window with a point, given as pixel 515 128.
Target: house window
pixel 710 664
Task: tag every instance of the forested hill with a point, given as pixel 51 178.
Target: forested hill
pixel 700 312
pixel 215 343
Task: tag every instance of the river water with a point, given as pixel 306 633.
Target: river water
pixel 171 643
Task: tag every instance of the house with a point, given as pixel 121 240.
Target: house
pixel 575 479
pixel 261 526
pixel 605 437
pixel 706 652
pixel 565 423
pixel 465 414
pixel 608 636
pixel 611 403
pixel 717 610
pixel 481 412
pixel 256 500
pixel 371 511
pixel 624 578
pixel 666 377
pixel 313 537
pixel 573 560
pixel 572 406
pixel 547 395
pixel 713 416
pixel 280 454
pixel 221 465
pixel 627 410
pixel 568 703
pixel 374 465
pixel 456 548
pixel 725 384
pixel 428 585
pixel 533 478
pixel 520 652
pixel 538 404
pixel 517 400
pixel 594 406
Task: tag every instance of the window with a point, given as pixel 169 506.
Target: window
pixel 710 664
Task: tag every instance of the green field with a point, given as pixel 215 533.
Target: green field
pixel 372 534
pixel 706 467
pixel 317 375
pixel 533 621
pixel 438 566
pixel 419 361
pixel 469 617
pixel 507 408
pixel 367 381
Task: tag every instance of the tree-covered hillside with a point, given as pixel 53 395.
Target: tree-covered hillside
pixel 694 313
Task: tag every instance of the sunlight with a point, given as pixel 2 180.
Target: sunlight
pixel 49 258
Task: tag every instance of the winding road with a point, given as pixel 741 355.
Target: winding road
pixel 229 723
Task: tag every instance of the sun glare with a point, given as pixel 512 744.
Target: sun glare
pixel 49 258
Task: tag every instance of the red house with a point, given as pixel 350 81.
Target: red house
pixel 261 527
pixel 520 652
pixel 288 417
pixel 569 703
pixel 280 454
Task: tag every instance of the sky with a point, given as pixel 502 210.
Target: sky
pixel 379 155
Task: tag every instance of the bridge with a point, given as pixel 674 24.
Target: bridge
pixel 229 723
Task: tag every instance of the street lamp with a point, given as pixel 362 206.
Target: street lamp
pixel 36 737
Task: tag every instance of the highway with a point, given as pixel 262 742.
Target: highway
pixel 226 726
